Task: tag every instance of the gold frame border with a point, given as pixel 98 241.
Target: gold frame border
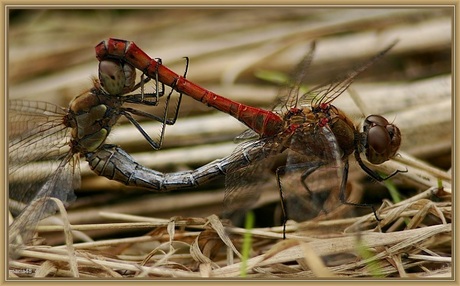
pixel 205 4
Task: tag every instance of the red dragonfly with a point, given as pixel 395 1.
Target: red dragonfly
pixel 308 127
pixel 41 131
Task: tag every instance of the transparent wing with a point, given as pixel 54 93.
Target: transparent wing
pixel 309 149
pixel 289 94
pixel 38 141
pixel 246 182
pixel 248 134
pixel 60 185
pixel 326 93
pixel 40 165
pixel 311 173
pixel 35 132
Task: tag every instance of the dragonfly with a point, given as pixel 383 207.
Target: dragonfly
pixel 307 126
pixel 57 137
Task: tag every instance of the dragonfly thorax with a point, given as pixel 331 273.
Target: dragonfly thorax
pixel 344 130
pixel 91 117
pixel 296 116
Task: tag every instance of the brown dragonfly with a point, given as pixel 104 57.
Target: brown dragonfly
pixel 56 137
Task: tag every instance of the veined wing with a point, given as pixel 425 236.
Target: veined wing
pixel 38 142
pixel 288 96
pixel 60 184
pixel 307 150
pixel 313 152
pixel 326 93
pixel 243 181
pixel 35 132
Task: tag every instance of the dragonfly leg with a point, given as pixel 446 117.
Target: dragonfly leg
pixel 303 181
pixel 280 171
pixel 304 177
pixel 374 174
pixel 343 185
pixel 176 110
pixel 131 119
pixel 141 85
pixel 146 98
pixel 163 119
pixel 159 91
pixel 166 120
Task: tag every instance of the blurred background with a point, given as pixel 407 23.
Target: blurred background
pixel 51 58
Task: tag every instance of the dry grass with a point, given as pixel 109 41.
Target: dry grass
pixel 117 232
pixel 402 245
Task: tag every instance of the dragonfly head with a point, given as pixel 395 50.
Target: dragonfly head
pixel 116 77
pixel 382 139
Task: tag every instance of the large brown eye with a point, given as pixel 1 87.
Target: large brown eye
pixel 383 139
pixel 116 78
pixel 378 138
pixel 373 120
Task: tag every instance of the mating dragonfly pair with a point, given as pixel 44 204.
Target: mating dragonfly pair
pixel 306 127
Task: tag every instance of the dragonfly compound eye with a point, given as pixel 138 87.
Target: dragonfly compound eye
pixel 116 78
pixel 383 139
